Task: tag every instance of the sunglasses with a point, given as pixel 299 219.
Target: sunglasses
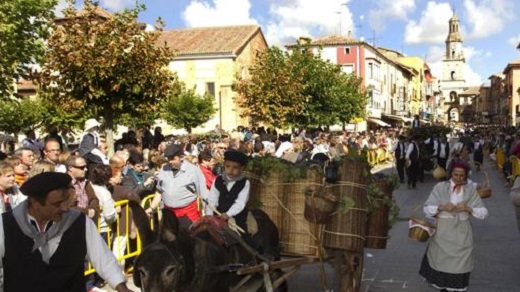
pixel 83 167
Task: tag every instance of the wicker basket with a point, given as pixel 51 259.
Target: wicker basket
pixel 346 230
pixel 418 233
pixel 300 237
pixel 377 221
pixel 320 204
pixel 485 191
pixel 266 193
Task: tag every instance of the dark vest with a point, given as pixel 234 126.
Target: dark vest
pixel 25 270
pixel 415 155
pixel 398 150
pixel 226 199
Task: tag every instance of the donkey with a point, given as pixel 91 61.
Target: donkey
pixel 174 261
pixel 162 264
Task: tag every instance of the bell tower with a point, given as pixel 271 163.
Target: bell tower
pixel 453 82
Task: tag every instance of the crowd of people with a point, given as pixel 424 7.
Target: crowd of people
pixel 176 170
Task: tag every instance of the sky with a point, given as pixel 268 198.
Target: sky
pixel 490 29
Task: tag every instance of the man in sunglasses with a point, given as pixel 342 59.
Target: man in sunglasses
pixel 85 198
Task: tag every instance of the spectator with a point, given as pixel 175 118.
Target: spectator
pixel 10 196
pixel 88 147
pixel 136 179
pixel 85 199
pixel 20 170
pixel 26 155
pixel 206 164
pixel 42 166
pixel 51 153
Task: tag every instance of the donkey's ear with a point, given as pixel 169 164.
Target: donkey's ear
pixel 142 222
pixel 169 226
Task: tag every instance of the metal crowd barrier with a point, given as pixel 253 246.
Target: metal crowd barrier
pixel 122 248
pixel 515 167
pixel 501 157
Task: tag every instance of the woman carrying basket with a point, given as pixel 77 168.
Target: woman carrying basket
pixel 448 260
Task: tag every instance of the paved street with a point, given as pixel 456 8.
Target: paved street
pixel 497 248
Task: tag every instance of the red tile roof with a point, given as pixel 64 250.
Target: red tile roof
pixel 25 85
pixel 224 40
pixel 334 40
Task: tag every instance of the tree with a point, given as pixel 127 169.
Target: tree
pixel 188 110
pixel 299 89
pixel 106 65
pixel 22 115
pixel 273 91
pixel 24 26
pixel 333 96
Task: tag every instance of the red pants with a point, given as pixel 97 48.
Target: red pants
pixel 189 211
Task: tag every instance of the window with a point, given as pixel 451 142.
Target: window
pixel 371 70
pixel 348 69
pixel 452 75
pixel 210 88
pixel 347 50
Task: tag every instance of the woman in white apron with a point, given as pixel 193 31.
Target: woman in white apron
pixel 449 257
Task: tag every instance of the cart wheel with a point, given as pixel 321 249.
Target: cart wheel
pixel 349 266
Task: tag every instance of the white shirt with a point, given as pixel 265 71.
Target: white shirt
pixel 108 211
pixel 97 252
pixel 240 202
pixel 455 198
pixel 442 153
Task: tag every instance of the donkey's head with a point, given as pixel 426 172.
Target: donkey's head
pixel 160 267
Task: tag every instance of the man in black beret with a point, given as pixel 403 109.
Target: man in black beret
pixel 230 191
pixel 47 242
pixel 179 182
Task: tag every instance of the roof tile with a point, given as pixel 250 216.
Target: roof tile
pixel 208 40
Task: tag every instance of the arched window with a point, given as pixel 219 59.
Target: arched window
pixel 452 75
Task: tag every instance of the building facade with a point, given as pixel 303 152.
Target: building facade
pixel 208 59
pixel 385 81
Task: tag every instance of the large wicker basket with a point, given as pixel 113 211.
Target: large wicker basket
pixel 346 230
pixel 266 193
pixel 377 221
pixel 300 237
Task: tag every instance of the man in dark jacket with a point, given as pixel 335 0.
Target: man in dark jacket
pixel 46 242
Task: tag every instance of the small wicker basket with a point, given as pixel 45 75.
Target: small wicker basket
pixel 485 191
pixel 418 233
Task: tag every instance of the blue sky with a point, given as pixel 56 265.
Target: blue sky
pixel 490 28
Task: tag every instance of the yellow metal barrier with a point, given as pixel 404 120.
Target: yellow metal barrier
pixel 515 167
pixel 145 203
pixel 128 252
pixel 501 158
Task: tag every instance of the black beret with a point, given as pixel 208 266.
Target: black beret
pixel 41 184
pixel 236 156
pixel 173 150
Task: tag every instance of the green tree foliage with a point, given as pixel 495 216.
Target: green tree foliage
pixel 108 66
pixel 22 115
pixel 298 88
pixel 24 25
pixel 188 110
pixel 273 91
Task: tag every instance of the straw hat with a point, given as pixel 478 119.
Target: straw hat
pixel 91 123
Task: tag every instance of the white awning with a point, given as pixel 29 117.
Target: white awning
pixel 378 122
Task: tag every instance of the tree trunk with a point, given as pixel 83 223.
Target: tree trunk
pixel 109 126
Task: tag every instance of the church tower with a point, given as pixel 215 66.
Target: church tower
pixel 453 82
